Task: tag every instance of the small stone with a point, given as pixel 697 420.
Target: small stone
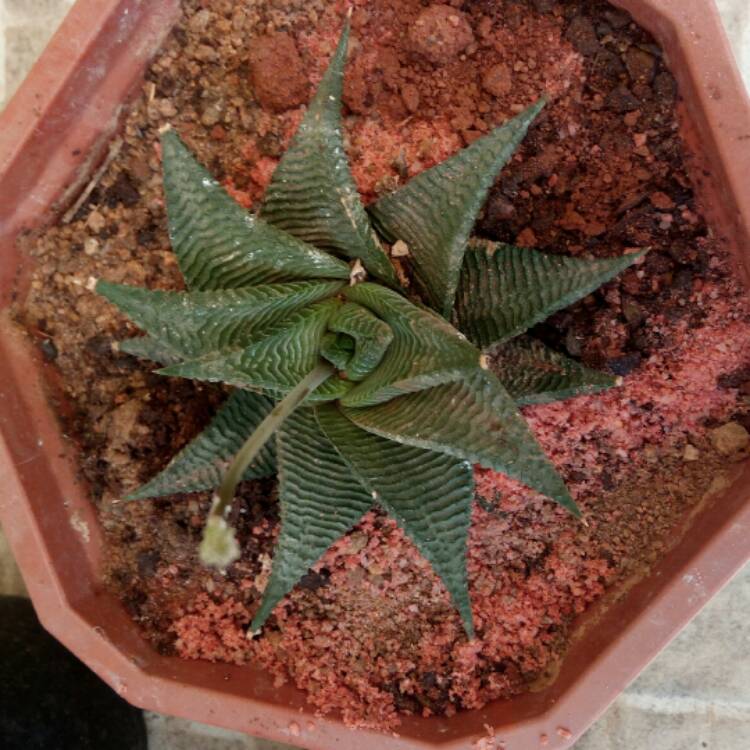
pixel 400 249
pixel 621 99
pixel 201 20
pixel 631 118
pixel 633 313
pixel 212 114
pixel 204 53
pixel 410 95
pixel 440 33
pixel 166 108
pixel 91 246
pixel 277 72
pixel 527 238
pixel 96 222
pixel 582 35
pixel 730 439
pixel 498 80
pixel 691 453
pixel 218 133
pixel 640 64
pixel 624 365
pixel 661 201
pixel 49 350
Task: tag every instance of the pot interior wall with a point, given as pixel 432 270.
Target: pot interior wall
pixel 46 160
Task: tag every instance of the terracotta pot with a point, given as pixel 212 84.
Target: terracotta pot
pixel 52 133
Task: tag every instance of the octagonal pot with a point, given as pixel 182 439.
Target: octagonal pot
pixel 53 135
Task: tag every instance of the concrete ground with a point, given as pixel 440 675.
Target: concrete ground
pixel 695 695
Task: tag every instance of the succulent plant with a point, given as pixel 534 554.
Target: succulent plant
pixel 396 402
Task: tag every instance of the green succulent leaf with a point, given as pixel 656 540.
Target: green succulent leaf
pixel 505 290
pixel 218 244
pixel 317 507
pixel 337 348
pixel 435 212
pixel 312 194
pixel 195 324
pixel 276 361
pixel 201 464
pixel 473 419
pixel 428 494
pixel 532 373
pixel 425 351
pixel 147 347
pixel 371 336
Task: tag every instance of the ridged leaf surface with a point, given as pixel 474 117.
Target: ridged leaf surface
pixel 147 347
pixel 425 350
pixel 218 244
pixel 275 362
pixel 505 290
pixel 474 419
pixel 372 337
pixel 532 373
pixel 312 194
pixel 202 463
pixel 435 212
pixel 320 500
pixel 194 324
pixel 428 494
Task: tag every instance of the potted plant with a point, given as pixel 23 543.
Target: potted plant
pixel 46 506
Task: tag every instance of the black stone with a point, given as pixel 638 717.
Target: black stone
pixel 51 701
pixel 624 365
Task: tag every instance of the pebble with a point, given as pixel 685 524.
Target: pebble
pixel 212 114
pixel 399 249
pixel 582 35
pixel 201 20
pixel 410 95
pixel 277 72
pixel 441 33
pixel 640 64
pixel 498 80
pixel 167 108
pixel 730 439
pixel 691 453
pixel 621 99
pixel 96 222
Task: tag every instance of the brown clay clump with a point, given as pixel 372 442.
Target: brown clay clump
pixel 278 73
pixel 498 80
pixel 441 33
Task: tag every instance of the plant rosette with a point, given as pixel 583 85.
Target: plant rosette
pixel 356 342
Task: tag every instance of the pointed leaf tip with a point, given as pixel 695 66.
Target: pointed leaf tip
pixel 312 194
pixel 474 419
pixel 317 508
pixel 202 463
pixel 504 290
pixel 435 212
pixel 218 244
pixel 428 494
pixel 534 374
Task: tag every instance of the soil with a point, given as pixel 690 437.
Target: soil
pixel 603 171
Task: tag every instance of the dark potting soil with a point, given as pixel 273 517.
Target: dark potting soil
pixel 602 172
